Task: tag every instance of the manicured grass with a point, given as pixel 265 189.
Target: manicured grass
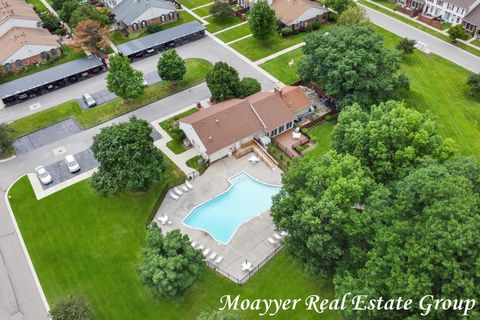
pixel 194 164
pixel 235 33
pixel 387 3
pixel 68 54
pixel 177 147
pixel 284 67
pixel 168 125
pixel 196 70
pixel 194 3
pixel 417 25
pixel 7 152
pixel 281 157
pixel 322 136
pixel 39 6
pixel 204 11
pixel 80 242
pixel 119 38
pixel 476 42
pixel 217 25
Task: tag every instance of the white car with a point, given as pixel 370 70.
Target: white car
pixel 89 100
pixel 72 163
pixel 43 175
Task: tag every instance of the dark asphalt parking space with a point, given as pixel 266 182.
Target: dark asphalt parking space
pixel 46 136
pixel 59 170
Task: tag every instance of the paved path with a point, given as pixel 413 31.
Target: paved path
pixel 437 46
pixel 279 53
pixel 232 27
pixel 239 39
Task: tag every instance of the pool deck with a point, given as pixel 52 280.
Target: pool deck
pixel 250 241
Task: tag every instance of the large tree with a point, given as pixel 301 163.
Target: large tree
pixel 129 161
pixel 339 5
pixel 171 66
pixel 90 35
pixel 319 205
pixel 72 307
pixel 429 246
pixel 249 86
pixel 262 20
pixel 68 7
pixel 223 82
pixel 222 10
pixel 123 80
pixel 351 64
pixel 5 136
pixel 353 16
pixel 86 12
pixel 170 264
pixel 391 139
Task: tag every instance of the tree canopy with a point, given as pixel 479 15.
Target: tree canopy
pixel 249 86
pixel 5 136
pixel 123 80
pixel 407 46
pixel 72 307
pixel 339 5
pixel 222 10
pixel 262 20
pixel 351 64
pixel 129 161
pixel 456 32
pixel 171 66
pixel 90 35
pixel 170 264
pixel 68 7
pixel 86 12
pixel 474 82
pixel 223 82
pixel 391 139
pixel 353 16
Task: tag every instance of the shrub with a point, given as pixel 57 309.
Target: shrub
pixel 316 25
pixel 178 134
pixel 309 27
pixel 249 86
pixel 286 32
pixel 332 16
pixel 328 118
pixel 154 28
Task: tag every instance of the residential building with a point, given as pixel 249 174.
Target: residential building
pixel 25 46
pixel 411 7
pixel 135 15
pixel 452 11
pixel 471 22
pixel 222 128
pixel 16 13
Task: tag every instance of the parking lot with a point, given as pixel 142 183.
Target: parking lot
pixel 46 136
pixel 59 170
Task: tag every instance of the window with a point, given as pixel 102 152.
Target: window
pixel 19 63
pixel 8 66
pixel 163 18
pixel 43 55
pixel 280 130
pixel 446 16
pixel 135 26
pixel 143 24
pixel 53 52
pixel 274 132
pixel 415 5
pixel 171 15
pixel 437 12
pixel 458 19
pixel 450 6
pixel 440 2
pixel 469 26
pixel 289 125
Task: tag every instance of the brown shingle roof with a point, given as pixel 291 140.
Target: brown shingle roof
pixel 287 11
pixel 16 38
pixel 295 98
pixel 229 121
pixel 473 16
pixel 16 9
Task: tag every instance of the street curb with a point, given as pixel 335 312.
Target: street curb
pixel 24 248
pixel 8 159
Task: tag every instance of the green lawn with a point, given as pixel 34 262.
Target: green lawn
pixel 194 3
pixel 417 25
pixel 68 54
pixel 234 33
pixel 194 164
pixel 176 146
pixel 119 38
pixel 284 67
pixel 204 11
pixel 196 70
pixel 215 25
pixel 476 42
pixel 387 3
pixel 39 6
pixel 80 242
pixel 322 136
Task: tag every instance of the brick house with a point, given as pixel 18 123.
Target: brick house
pixel 410 7
pixel 297 14
pixel 22 47
pixel 135 15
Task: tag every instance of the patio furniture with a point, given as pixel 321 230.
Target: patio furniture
pixel 284 233
pixel 272 241
pixel 163 218
pixel 184 188
pixel 246 266
pixel 177 191
pixel 169 222
pixel 212 256
pixel 206 252
pixel 219 259
pixel 173 195
pixel 201 247
pixel 194 244
pixel 188 184
pixel 276 236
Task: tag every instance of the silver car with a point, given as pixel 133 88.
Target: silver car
pixel 43 175
pixel 89 100
pixel 72 163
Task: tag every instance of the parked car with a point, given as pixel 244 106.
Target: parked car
pixel 43 175
pixel 145 83
pixel 150 51
pixel 90 102
pixel 72 163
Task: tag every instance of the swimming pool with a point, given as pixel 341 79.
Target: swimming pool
pixel 222 215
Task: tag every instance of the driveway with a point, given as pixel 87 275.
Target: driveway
pixel 205 48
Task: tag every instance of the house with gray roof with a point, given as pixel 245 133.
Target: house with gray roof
pixel 452 11
pixel 471 22
pixel 135 15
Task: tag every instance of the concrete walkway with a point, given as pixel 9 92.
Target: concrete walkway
pixel 279 53
pixel 239 39
pixel 203 5
pixel 230 28
pixel 205 22
pixel 179 159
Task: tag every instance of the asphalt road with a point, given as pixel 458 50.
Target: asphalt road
pixel 19 297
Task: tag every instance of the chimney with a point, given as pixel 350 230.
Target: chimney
pixel 210 139
pixel 278 91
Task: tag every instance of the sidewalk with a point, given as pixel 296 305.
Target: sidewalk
pixel 279 53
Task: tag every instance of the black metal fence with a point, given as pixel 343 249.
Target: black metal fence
pixel 250 273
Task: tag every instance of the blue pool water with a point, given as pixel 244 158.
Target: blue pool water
pixel 222 215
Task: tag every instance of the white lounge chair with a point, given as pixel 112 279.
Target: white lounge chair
pixel 206 252
pixel 276 236
pixel 212 256
pixel 272 241
pixel 184 188
pixel 219 259
pixel 194 244
pixel 284 233
pixel 188 184
pixel 177 191
pixel 169 222
pixel 201 247
pixel 174 196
